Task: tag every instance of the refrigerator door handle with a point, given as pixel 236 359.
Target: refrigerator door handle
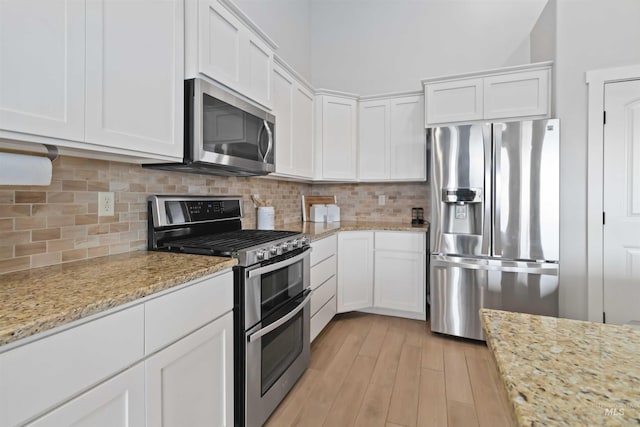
pixel 487 244
pixel 495 265
pixel 496 244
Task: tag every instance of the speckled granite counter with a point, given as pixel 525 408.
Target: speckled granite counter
pixel 561 372
pixel 36 300
pixel 318 230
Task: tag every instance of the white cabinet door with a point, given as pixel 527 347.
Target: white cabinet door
pixel 407 139
pixel 119 402
pixel 230 53
pixel 220 42
pixel 338 128
pixel 516 94
pixel 355 270
pixel 454 101
pixel 374 148
pixel 400 281
pixel 190 383
pixel 283 88
pixel 134 75
pixel 42 51
pixel 302 133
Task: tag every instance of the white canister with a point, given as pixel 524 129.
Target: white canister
pixel 318 213
pixel 266 218
pixel 333 213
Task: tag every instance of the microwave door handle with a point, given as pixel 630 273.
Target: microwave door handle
pixel 263 157
pixel 270 144
pixel 279 322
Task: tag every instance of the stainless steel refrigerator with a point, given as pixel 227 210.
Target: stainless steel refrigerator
pixel 494 222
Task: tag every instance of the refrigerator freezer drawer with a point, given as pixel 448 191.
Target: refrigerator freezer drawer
pixel 460 287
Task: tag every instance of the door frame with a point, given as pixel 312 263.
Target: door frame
pixel 596 79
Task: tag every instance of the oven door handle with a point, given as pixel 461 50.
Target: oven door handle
pixel 258 334
pixel 278 265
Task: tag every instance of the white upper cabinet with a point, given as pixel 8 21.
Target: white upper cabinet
pixel 224 45
pixel 94 77
pixel 134 74
pixel 336 137
pixel 508 93
pixel 374 147
pixel 293 108
pixel 392 145
pixel 42 51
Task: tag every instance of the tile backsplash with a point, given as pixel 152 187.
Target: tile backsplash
pixel 59 223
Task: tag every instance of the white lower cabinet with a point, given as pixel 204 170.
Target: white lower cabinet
pixel 190 383
pixel 97 373
pixel 323 283
pixel 382 272
pixel 118 402
pixel 355 270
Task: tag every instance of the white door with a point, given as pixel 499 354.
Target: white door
pixel 119 402
pixel 399 281
pixel 282 108
pixel 622 202
pixel 42 48
pixel 408 140
pixel 302 133
pixel 190 383
pixel 135 75
pixel 355 270
pixel 373 145
pixel 339 121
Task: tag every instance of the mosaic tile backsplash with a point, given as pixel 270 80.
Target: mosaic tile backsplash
pixel 42 226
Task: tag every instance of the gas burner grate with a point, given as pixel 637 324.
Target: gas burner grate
pixel 232 241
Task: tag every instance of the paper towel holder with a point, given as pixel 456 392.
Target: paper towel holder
pixel 52 152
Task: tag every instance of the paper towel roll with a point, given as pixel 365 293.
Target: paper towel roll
pixel 20 169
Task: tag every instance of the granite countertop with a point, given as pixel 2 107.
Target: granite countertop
pixel 42 298
pixel 318 230
pixel 561 372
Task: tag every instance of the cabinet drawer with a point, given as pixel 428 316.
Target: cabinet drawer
pixel 174 315
pixel 322 294
pixel 405 241
pixel 43 373
pixel 321 272
pixel 323 249
pixel 322 318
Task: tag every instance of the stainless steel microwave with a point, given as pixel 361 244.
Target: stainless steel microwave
pixel 224 135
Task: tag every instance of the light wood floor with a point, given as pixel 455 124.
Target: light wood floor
pixel 369 370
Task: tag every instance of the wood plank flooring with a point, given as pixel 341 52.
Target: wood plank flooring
pixel 370 370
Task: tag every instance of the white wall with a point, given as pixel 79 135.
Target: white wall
pixel 287 22
pixel 591 34
pixel 375 46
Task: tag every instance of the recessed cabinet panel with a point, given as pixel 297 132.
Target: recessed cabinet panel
pixel 190 383
pixel 219 43
pixel 374 147
pixel 42 53
pixel 400 281
pixel 259 70
pixel 516 94
pixel 339 121
pixel 355 270
pixel 302 132
pixel 119 402
pixel 282 108
pixel 134 73
pixel 455 101
pixel 407 139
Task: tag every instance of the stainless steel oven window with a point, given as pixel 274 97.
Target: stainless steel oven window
pixel 280 348
pixel 269 286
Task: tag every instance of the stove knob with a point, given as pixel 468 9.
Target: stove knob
pixel 260 255
pixel 303 241
pixel 283 247
pixel 273 250
pixel 295 243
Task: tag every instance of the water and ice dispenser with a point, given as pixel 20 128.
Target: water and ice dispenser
pixel 462 211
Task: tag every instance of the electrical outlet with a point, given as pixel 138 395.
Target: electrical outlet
pixel 106 202
pixel 382 199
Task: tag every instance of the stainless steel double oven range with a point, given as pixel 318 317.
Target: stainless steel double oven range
pixel 271 292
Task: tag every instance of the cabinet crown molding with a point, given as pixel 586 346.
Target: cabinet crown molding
pixel 486 73
pixel 337 93
pixel 296 75
pixel 391 95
